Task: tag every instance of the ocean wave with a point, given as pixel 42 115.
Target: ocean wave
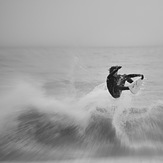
pixel 38 126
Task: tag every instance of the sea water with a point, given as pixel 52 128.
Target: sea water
pixel 55 106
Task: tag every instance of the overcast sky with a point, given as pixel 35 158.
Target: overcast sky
pixel 81 22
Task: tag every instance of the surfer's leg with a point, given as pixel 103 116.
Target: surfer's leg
pixel 122 88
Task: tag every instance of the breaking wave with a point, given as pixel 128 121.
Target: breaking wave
pixel 36 126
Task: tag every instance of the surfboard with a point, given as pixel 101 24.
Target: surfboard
pixel 135 86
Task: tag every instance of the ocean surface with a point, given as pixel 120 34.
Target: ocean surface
pixel 54 105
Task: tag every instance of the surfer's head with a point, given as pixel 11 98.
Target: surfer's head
pixel 114 68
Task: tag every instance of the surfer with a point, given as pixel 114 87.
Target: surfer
pixel 115 82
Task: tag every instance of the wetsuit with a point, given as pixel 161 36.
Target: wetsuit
pixel 116 84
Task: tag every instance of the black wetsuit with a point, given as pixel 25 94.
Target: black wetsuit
pixel 116 84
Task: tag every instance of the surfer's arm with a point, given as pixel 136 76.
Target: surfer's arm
pixel 135 75
pixel 127 78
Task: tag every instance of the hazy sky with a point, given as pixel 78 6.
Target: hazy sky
pixel 81 22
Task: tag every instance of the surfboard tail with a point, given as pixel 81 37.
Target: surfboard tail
pixel 135 86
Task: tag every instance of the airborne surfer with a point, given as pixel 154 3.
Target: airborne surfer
pixel 115 82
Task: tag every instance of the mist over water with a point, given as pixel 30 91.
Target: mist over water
pixel 55 105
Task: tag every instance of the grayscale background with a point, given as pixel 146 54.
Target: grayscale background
pixel 54 60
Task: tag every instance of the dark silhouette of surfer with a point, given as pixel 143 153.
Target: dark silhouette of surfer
pixel 115 82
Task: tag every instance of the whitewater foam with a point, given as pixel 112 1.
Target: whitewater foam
pixel 92 122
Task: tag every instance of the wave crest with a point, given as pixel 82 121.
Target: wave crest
pixel 38 123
